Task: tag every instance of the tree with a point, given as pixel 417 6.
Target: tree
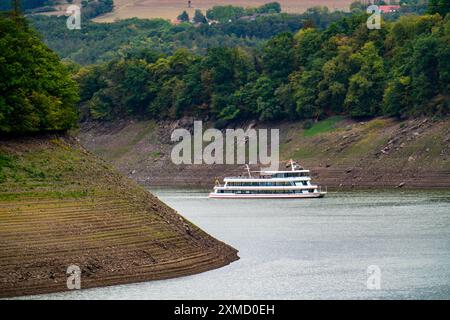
pixel 16 7
pixel 430 75
pixel 307 43
pixel 366 86
pixel 224 71
pixel 401 70
pixel 272 7
pixel 278 56
pixel 267 105
pixel 305 92
pixel 225 14
pixel 36 91
pixel 199 17
pixel 184 17
pixel 333 87
pixel 285 98
pixel 439 6
pixel 397 99
pixel 358 6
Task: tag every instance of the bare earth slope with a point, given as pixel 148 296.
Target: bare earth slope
pixel 340 152
pixel 60 206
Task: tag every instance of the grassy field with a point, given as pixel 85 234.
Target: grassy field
pixel 322 126
pixel 62 206
pixel 170 9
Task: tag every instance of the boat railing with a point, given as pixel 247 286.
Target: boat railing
pixel 258 177
pixel 268 177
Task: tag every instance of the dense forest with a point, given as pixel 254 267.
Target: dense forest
pixel 273 67
pixel 26 4
pixel 400 70
pixel 90 8
pixel 99 42
pixel 36 90
pixel 229 13
pixel 94 8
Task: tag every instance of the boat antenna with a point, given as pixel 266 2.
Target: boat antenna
pixel 248 170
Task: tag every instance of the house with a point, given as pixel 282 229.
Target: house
pixel 389 9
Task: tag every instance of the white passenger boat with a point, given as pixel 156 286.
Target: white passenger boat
pixel 294 183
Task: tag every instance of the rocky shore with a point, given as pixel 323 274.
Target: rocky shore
pixel 380 153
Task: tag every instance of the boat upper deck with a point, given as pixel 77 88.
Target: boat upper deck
pixel 273 175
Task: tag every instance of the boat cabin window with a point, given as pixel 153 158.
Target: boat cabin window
pixel 289 175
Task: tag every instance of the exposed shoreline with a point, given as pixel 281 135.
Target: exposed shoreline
pixel 62 206
pixel 381 153
pixel 334 179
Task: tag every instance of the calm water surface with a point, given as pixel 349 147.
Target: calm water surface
pixel 311 248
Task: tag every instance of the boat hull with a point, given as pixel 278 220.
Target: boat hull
pixel 266 196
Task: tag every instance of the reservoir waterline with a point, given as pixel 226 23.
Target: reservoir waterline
pixel 311 248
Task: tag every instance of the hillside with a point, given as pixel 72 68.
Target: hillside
pixel 341 152
pixel 60 206
pixel 170 9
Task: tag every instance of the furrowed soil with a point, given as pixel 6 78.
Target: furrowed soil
pixel 60 206
pixel 340 152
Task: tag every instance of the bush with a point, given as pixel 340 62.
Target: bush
pixel 308 124
pixel 5 161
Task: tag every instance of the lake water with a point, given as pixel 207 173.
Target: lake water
pixel 311 248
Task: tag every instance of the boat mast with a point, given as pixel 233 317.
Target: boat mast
pixel 248 170
pixel 292 165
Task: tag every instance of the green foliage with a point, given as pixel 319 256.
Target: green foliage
pixel 199 17
pixel 184 17
pixel 36 91
pixel 5 162
pixel 366 86
pixel 327 125
pixel 231 13
pixel 25 4
pixel 272 7
pixel 278 56
pixel 305 86
pixel 225 14
pixel 308 124
pixel 102 42
pixel 94 8
pixel 406 7
pixel 439 6
pixel 420 78
pixel 91 8
pixel 334 84
pixel 267 105
pixel 346 69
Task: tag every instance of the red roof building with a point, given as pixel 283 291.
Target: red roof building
pixel 388 9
